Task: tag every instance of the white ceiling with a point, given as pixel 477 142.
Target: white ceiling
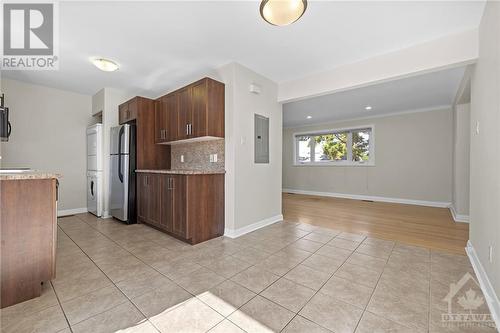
pixel 161 45
pixel 424 91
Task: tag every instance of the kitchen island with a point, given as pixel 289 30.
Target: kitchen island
pixel 28 218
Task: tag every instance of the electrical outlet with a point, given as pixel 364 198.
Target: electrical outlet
pixel 490 256
pixel 477 127
pixel 182 158
pixel 211 158
pixel 215 158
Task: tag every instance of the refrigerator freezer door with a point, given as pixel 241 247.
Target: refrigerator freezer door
pixel 119 187
pixel 120 139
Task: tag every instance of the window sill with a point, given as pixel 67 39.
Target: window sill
pixel 334 164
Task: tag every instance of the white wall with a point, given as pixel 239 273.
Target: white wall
pixel 413 160
pixel 48 133
pixel 253 191
pixel 485 147
pixel 461 160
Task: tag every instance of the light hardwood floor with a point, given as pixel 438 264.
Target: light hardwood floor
pixel 423 226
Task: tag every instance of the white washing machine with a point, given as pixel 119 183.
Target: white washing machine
pixel 94 170
pixel 94 192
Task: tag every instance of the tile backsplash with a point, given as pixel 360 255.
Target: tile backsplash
pixel 197 155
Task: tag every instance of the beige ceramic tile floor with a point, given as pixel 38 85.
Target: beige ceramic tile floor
pixel 286 277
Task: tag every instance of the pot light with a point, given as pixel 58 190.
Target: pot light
pixel 368 107
pixel 309 117
pixel 282 12
pixel 105 65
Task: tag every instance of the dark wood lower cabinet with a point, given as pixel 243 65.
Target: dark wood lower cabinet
pixel 148 198
pixel 189 207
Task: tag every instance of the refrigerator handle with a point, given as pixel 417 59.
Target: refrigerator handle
pixel 120 134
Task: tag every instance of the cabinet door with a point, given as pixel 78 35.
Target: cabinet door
pixel 122 113
pixel 154 198
pixel 184 105
pixel 199 109
pixel 160 120
pixel 133 107
pixel 172 116
pixel 142 197
pixel 166 203
pixel 179 218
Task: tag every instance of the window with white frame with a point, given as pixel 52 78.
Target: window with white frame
pixel 351 146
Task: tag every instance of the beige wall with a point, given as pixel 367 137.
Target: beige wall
pixel 413 160
pixel 461 160
pixel 485 146
pixel 48 133
pixel 253 191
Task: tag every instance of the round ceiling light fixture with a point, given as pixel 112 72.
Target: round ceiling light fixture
pixel 105 65
pixel 282 12
pixel 309 117
pixel 368 108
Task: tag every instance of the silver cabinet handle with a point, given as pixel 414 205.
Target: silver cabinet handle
pixel 187 129
pixel 190 129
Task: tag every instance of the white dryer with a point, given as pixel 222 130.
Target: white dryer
pixel 94 170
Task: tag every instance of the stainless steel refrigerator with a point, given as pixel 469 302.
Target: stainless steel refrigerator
pixel 122 177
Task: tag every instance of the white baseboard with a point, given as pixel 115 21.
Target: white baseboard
pixel 233 233
pixel 484 282
pixel 66 212
pixel 439 204
pixel 458 217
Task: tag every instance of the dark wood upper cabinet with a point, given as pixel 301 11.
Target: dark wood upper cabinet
pixel 143 113
pixel 194 111
pixel 184 115
pixel 172 106
pixel 128 111
pixel 207 108
pixel 160 120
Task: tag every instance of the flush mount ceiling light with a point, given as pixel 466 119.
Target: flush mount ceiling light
pixel 105 65
pixel 309 117
pixel 368 107
pixel 282 12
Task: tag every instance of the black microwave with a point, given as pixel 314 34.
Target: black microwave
pixel 5 127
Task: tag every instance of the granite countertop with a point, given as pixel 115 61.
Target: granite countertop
pixel 184 172
pixel 31 174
